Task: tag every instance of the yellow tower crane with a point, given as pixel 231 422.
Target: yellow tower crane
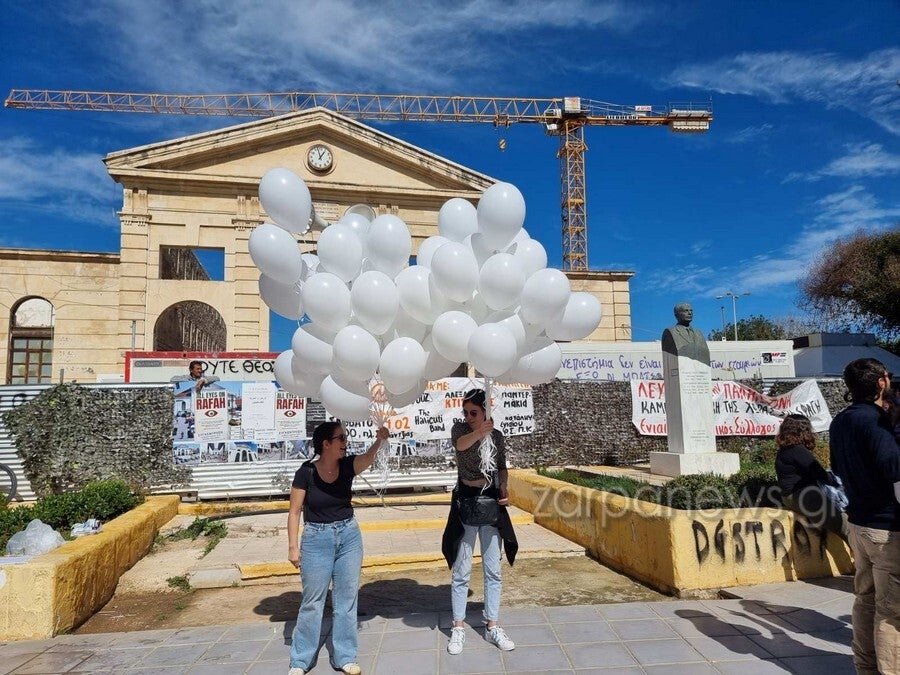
pixel 564 117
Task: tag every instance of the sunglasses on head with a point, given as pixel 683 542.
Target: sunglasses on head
pixel 339 437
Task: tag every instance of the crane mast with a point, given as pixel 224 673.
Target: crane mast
pixel 564 117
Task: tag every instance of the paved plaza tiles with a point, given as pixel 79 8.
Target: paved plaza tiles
pixel 799 627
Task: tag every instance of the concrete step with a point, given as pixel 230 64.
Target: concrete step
pixel 255 550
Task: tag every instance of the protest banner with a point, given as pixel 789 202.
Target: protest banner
pixel 739 410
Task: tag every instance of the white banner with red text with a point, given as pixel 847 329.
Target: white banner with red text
pixel 739 410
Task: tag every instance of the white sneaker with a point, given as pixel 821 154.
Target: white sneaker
pixel 498 636
pixel 296 671
pixel 457 639
pixel 349 669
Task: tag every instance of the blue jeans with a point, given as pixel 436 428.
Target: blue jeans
pixel 329 552
pixel 489 536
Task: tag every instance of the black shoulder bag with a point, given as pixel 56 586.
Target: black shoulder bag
pixel 478 509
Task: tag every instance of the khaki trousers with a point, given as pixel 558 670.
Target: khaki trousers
pixel 876 611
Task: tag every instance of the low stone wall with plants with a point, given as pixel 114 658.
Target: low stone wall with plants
pixel 582 423
pixel 710 542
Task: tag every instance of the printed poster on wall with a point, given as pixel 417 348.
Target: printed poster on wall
pixel 738 409
pixel 200 437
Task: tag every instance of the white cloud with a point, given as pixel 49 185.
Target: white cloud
pixel 838 215
pixel 750 134
pixel 867 86
pixel 56 181
pixel 861 160
pixel 333 45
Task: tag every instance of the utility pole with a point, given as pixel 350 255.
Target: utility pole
pixel 734 297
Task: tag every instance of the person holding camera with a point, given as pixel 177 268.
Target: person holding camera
pixel 478 509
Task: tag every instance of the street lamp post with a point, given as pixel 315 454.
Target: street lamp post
pixel 734 297
pixel 724 334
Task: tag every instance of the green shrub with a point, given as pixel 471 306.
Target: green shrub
pixel 620 485
pixel 702 491
pixel 102 500
pixel 757 485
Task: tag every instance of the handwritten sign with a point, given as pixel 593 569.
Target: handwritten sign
pixel 739 410
pixel 433 414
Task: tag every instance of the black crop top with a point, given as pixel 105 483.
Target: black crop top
pixel 326 502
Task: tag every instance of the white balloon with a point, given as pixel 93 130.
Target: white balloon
pixel 293 378
pixel 374 300
pixel 340 251
pixel 476 308
pixel 522 235
pixel 455 271
pixel 388 244
pixel 274 251
pixel 283 299
pixel 402 364
pixel 313 349
pixel 406 398
pixel 578 319
pixel 356 352
pixel 546 293
pixel 457 219
pixel 501 213
pixel 310 265
pixel 436 366
pixel 451 333
pixel 479 248
pixel 492 349
pixel 514 323
pixel 531 255
pixel 419 296
pixel 406 326
pixel 327 301
pixel 500 281
pixel 358 223
pixel 286 199
pixel 540 364
pixel 343 404
pixel 427 249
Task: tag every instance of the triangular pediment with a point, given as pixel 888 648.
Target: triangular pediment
pixel 363 157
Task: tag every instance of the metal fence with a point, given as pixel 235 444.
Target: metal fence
pixel 230 480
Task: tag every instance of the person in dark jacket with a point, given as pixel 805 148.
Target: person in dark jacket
pixel 458 543
pixel 800 477
pixel 865 455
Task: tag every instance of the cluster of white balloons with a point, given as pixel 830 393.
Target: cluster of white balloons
pixel 480 292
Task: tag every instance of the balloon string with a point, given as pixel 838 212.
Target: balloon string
pixel 487 448
pixel 381 412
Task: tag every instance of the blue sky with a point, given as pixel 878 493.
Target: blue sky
pixel 804 147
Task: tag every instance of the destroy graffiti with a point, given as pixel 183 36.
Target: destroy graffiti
pixel 807 541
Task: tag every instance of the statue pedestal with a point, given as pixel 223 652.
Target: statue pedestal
pixel 675 464
pixel 691 423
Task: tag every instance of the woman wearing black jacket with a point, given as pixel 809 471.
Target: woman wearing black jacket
pixel 800 477
pixel 459 535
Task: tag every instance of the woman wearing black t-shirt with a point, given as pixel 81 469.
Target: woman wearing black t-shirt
pixel 800 475
pixel 330 549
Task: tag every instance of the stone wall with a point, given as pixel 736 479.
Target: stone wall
pixel 589 423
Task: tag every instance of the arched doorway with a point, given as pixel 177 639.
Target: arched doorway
pixel 190 326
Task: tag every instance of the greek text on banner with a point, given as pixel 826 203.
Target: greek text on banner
pixel 739 410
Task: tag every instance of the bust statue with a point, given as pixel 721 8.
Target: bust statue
pixel 684 340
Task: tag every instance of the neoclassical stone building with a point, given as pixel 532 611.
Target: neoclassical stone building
pixel 80 312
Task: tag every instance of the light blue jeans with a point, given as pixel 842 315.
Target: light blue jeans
pixel 489 536
pixel 328 552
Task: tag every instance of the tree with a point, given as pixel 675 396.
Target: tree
pixel 755 327
pixel 855 285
